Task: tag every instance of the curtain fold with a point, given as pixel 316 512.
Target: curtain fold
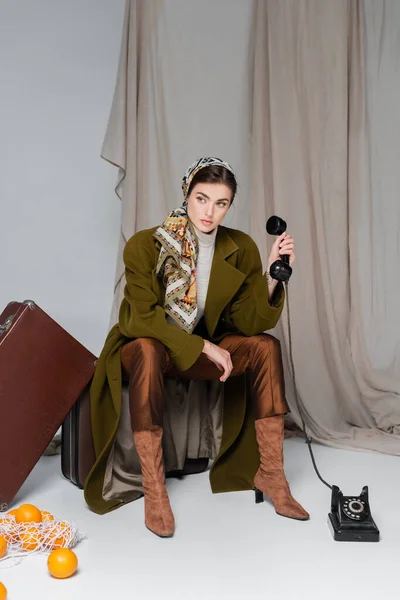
pixel 137 139
pixel 376 225
pixel 310 166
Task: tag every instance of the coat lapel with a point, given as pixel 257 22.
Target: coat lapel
pixel 225 279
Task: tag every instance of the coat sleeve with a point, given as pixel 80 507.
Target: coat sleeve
pixel 251 311
pixel 141 315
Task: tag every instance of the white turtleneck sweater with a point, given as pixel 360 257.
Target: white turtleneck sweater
pixel 203 269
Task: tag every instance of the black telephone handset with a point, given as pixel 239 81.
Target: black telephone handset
pixel 280 269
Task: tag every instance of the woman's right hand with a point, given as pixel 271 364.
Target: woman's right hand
pixel 220 357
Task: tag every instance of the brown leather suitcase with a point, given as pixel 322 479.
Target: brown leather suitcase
pixel 43 371
pixel 77 448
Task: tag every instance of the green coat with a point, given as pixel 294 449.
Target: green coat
pixel 237 302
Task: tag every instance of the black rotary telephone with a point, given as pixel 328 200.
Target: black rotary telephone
pixel 350 518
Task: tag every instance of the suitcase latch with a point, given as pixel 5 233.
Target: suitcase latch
pixel 7 324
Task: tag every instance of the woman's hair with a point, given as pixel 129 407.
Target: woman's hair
pixel 215 174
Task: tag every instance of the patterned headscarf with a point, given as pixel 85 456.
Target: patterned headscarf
pixel 178 255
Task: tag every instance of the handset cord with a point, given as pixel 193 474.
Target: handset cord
pixel 308 439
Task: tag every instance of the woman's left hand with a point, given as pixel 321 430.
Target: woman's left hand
pixel 284 244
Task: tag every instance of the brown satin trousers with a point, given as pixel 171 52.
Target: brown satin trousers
pixel 146 362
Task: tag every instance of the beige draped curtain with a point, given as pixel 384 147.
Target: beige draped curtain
pixel 312 165
pixel 301 97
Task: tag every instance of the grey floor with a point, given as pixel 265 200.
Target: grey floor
pixel 225 546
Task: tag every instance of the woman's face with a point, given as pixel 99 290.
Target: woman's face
pixel 208 204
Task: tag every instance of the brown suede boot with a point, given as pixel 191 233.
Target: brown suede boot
pixel 270 478
pixel 159 517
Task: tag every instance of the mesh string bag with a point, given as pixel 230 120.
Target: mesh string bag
pixel 24 539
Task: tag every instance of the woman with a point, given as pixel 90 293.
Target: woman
pixel 167 328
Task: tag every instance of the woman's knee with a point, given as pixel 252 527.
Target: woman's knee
pixel 268 343
pixel 149 346
pixel 141 351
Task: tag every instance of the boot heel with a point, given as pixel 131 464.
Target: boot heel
pixel 259 495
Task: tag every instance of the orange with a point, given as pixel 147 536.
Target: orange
pixel 52 540
pixel 57 537
pixel 8 529
pixel 47 516
pixel 7 521
pixel 12 512
pixel 3 591
pixel 28 513
pixel 62 563
pixel 30 538
pixel 3 546
pixel 10 539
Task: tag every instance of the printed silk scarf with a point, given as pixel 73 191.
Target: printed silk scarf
pixel 178 255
